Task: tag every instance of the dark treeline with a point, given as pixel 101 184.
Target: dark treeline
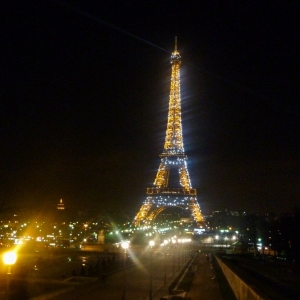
pixel 278 233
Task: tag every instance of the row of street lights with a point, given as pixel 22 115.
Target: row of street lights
pixel 174 241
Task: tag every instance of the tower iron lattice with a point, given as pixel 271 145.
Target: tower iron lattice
pixel 171 189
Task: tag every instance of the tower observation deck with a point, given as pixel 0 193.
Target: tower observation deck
pixel 172 186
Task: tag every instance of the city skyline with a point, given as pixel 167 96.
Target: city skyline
pixel 85 92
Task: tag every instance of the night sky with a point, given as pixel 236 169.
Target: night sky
pixel 84 99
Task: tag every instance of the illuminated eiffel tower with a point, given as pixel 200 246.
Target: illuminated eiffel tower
pixel 172 186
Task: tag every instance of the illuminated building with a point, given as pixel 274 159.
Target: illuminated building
pixel 172 186
pixel 60 205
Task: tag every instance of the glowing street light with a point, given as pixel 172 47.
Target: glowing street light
pixel 125 246
pixel 9 258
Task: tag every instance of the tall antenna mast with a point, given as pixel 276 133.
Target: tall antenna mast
pixel 175 43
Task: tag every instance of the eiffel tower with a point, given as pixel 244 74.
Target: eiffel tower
pixel 172 186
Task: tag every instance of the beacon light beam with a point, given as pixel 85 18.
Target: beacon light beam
pixel 209 73
pixel 86 14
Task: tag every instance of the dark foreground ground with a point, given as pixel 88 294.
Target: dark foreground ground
pixel 58 273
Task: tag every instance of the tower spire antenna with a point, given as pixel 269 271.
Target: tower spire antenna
pixel 175 43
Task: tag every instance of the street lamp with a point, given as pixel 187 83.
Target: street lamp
pixel 125 246
pixel 165 244
pixel 216 239
pixel 84 239
pixel 173 259
pixel 151 244
pixel 179 252
pixel 9 258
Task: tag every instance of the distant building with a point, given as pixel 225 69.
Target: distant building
pixel 60 214
pixel 60 205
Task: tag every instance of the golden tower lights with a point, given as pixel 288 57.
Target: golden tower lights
pixel 173 156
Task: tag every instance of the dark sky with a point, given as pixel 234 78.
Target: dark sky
pixel 84 97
